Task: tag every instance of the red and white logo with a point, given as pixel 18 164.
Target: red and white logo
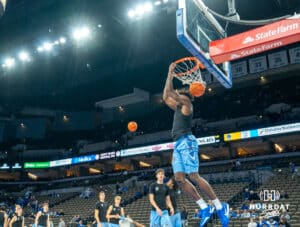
pixel 248 39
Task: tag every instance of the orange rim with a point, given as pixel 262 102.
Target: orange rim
pixel 197 65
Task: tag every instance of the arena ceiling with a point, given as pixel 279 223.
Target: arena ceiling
pixel 122 54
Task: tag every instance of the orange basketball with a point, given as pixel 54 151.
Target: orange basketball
pixel 197 89
pixel 132 126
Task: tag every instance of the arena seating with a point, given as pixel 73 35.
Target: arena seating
pixel 282 181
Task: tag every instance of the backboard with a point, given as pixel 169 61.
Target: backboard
pixel 196 28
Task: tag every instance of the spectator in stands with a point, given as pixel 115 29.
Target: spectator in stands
pixel 101 211
pixel 237 165
pixel 232 214
pixel 252 223
pixel 77 218
pixel 245 207
pixel 272 222
pixel 245 214
pixel 286 216
pixel 159 198
pixel 61 223
pixel 3 217
pixel 283 222
pixel 184 216
pixel 253 214
pixel 238 213
pixel 42 217
pixel 253 195
pixel 185 154
pixel 80 224
pixel 292 169
pixel 74 218
pixel 18 218
pixel 115 212
pixel 246 194
pixel 262 222
pixel 196 213
pixel 173 190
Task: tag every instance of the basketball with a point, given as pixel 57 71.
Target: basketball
pixel 197 89
pixel 132 126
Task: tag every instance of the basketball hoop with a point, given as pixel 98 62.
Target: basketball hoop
pixel 188 70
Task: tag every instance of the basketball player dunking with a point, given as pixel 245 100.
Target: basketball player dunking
pixel 185 154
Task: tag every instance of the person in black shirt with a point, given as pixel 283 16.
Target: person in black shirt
pixel 185 158
pixel 42 217
pixel 160 200
pixel 115 213
pixel 101 210
pixel 18 219
pixel 3 217
pixel 173 190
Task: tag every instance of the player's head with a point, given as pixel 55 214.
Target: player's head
pixel 185 91
pixel 101 195
pixel 160 174
pixel 19 209
pixel 45 207
pixel 117 199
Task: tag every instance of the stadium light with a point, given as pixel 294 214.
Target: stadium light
pixel 81 33
pixel 140 10
pixel 24 56
pixel 131 13
pixel 40 49
pixel 9 62
pixel 47 46
pixel 157 3
pixel 165 1
pixel 148 7
pixel 62 40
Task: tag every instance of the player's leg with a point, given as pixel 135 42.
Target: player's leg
pixel 165 220
pixel 203 185
pixel 191 165
pixel 154 219
pixel 222 208
pixel 186 186
pixel 176 220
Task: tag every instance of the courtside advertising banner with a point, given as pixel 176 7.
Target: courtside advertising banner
pixel 274 130
pixel 166 146
pixel 256 41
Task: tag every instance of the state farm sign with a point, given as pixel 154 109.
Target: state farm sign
pixel 255 41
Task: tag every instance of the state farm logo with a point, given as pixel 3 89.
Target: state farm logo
pixel 248 39
pixel 269 195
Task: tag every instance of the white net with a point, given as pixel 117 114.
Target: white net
pixel 188 70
